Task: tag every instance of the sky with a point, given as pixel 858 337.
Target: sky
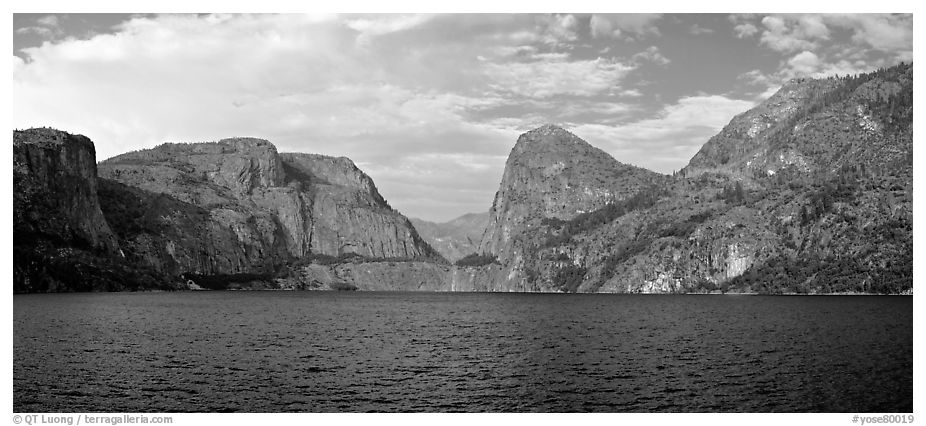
pixel 429 105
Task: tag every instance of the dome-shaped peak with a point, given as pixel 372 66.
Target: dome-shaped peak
pixel 552 140
pixel 549 129
pixel 549 134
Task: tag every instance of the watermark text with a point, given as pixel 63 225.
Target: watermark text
pixel 883 419
pixel 90 419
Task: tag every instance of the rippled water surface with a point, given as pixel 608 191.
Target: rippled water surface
pixel 364 351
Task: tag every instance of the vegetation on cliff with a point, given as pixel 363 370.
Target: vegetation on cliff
pixel 811 192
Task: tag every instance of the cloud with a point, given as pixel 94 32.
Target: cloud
pixel 556 29
pixel 40 31
pixel 804 63
pixel 652 54
pixel 625 25
pixel 377 25
pixel 429 104
pixel 557 76
pixel 666 142
pixel 47 27
pixel 48 21
pixel 420 181
pixel 696 29
pixel 788 34
pixel 880 31
pixel 745 30
pixel 890 33
pixel 823 45
pixel 306 83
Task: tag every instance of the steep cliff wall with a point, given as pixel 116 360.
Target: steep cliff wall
pixel 348 213
pixel 61 239
pixel 551 174
pixel 809 192
pixel 277 207
pixel 232 209
pixel 55 189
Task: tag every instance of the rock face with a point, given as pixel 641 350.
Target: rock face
pixel 348 214
pixel 811 191
pixel 54 175
pixel 750 134
pixel 396 276
pixel 456 238
pixel 233 209
pixel 278 207
pixel 551 174
pixel 61 240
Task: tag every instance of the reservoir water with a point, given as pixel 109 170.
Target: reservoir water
pixel 449 352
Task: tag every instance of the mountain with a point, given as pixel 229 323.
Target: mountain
pixel 456 238
pixel 817 126
pixel 229 211
pixel 551 175
pixel 811 191
pixel 61 238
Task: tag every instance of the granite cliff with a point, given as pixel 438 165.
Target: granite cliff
pixel 810 191
pixel 61 239
pixel 551 175
pixel 233 210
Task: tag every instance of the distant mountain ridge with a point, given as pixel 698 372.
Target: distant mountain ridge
pixel 455 238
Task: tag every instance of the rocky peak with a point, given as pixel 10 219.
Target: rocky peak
pixel 547 139
pixel 550 129
pixel 55 189
pixel 337 171
pixel 747 133
pixel 75 153
pixel 239 164
pixel 552 173
pixel 809 124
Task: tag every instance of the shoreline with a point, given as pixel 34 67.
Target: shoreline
pixel 471 292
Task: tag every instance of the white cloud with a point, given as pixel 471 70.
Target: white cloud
pixel 545 78
pixel 889 33
pixel 412 93
pixel 785 35
pixel 303 82
pixel 667 142
pixel 880 31
pixel 698 30
pixel 813 26
pixel 376 25
pixel 601 27
pixel 624 25
pixel 48 21
pixel 46 27
pixel 652 54
pixel 558 29
pixel 745 30
pixel 40 31
pixel 804 63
